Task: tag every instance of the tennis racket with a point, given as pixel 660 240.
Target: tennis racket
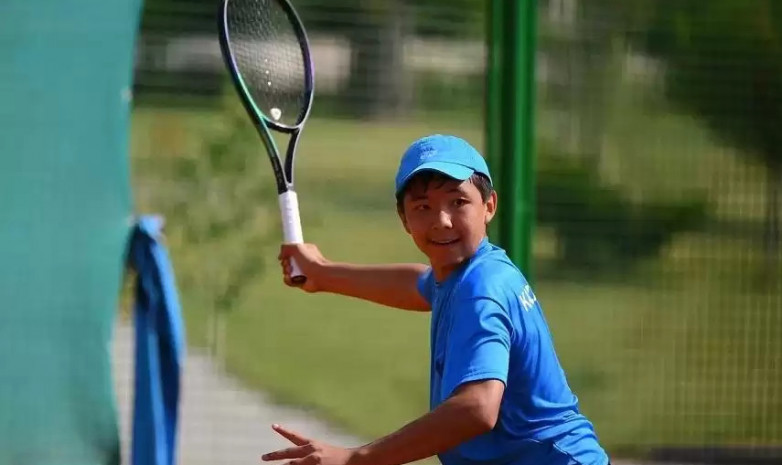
pixel 265 48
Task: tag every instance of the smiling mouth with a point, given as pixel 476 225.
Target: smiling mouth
pixel 446 242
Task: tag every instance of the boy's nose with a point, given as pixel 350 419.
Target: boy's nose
pixel 443 220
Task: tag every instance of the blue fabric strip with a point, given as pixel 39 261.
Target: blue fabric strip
pixel 160 347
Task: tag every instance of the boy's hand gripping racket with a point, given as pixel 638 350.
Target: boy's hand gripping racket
pixel 267 53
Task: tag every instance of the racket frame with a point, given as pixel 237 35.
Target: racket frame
pixel 283 171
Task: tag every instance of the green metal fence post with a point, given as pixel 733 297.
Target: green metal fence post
pixel 493 105
pixel 510 126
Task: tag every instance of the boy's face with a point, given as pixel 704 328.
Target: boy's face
pixel 447 220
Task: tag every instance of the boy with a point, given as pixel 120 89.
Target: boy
pixel 498 394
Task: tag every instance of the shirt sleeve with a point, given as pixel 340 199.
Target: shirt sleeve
pixel 425 285
pixel 478 346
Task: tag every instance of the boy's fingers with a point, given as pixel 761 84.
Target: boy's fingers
pixel 308 460
pixel 286 251
pixel 290 453
pixel 286 266
pixel 291 436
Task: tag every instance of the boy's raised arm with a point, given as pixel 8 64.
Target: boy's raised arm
pixel 393 285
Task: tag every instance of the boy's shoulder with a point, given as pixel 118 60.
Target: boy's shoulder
pixel 492 274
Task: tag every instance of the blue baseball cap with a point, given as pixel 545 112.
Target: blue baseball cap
pixel 449 155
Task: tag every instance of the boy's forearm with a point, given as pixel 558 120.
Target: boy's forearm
pixel 452 423
pixel 394 285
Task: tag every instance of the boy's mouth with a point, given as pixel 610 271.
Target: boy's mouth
pixel 444 241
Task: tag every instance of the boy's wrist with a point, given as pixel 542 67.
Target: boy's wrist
pixel 326 272
pixel 361 456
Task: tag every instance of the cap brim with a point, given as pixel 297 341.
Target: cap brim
pixel 452 170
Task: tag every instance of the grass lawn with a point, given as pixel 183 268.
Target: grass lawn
pixel 649 361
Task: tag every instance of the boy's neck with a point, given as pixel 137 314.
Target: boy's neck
pixel 442 273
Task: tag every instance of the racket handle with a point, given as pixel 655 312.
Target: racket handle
pixel 291 229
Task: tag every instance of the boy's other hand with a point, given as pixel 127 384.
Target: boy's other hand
pixel 311 263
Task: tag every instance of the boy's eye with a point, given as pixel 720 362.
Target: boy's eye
pixel 421 206
pixel 460 202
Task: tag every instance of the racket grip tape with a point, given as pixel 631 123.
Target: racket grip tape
pixel 291 229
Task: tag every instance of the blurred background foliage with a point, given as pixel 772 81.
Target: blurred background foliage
pixel 657 242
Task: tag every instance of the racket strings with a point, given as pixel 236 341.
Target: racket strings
pixel 270 58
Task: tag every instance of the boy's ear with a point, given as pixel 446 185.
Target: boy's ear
pixel 491 207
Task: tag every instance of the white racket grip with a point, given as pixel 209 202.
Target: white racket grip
pixel 291 224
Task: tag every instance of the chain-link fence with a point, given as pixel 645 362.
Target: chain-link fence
pixel 657 250
pixel 657 240
pixel 386 73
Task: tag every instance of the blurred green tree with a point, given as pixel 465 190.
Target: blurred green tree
pixel 376 31
pixel 177 16
pixel 723 63
pixel 583 45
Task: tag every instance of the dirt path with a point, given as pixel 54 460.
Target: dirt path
pixel 221 422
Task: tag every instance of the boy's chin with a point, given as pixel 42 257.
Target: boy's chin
pixel 447 260
pixel 447 255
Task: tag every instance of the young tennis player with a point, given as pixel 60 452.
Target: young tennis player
pixel 498 394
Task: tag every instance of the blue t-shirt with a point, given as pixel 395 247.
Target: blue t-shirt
pixel 487 324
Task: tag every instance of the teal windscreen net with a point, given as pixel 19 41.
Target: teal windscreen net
pixel 65 201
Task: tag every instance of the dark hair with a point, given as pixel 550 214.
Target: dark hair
pixel 480 181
